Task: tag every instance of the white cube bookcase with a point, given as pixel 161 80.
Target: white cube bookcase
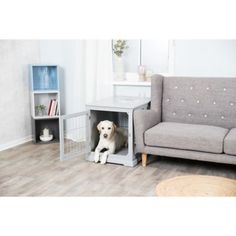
pixel 45 86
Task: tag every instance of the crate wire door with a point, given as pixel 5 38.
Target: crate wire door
pixel 74 135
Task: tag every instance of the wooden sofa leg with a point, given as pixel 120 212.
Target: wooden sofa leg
pixel 144 159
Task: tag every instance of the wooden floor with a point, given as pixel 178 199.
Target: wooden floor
pixel 35 170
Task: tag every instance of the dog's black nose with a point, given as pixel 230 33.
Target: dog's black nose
pixel 105 135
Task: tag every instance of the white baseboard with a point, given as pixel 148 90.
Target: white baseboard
pixel 15 143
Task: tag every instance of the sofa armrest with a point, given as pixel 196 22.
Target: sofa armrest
pixel 143 120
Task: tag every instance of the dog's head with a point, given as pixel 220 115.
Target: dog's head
pixel 106 128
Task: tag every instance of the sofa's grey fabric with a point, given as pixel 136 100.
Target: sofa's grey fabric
pixel 209 101
pixel 186 136
pixel 156 93
pixel 194 155
pixel 143 120
pixel 230 142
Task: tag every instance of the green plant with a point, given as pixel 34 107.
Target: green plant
pixel 119 47
pixel 40 108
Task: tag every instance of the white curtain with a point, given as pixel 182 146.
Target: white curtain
pixel 98 69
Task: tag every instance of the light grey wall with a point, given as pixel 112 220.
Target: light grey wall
pixel 205 57
pixel 15 56
pixel 155 55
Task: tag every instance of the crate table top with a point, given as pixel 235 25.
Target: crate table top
pixel 119 102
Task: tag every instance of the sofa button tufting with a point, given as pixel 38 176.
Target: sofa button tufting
pixel 222 117
pixel 214 102
pixel 231 104
pixel 189 114
pixel 191 88
pixel 176 87
pixel 198 101
pixel 224 89
pixel 207 88
pixel 174 113
pixel 182 100
pixel 167 99
pixel 205 115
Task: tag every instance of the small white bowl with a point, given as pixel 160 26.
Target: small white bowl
pixel 46 139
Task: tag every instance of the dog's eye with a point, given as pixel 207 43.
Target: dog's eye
pixel 102 127
pixel 109 127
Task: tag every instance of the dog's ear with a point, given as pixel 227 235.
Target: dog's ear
pixel 114 127
pixel 99 126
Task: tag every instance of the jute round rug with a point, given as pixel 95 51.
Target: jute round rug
pixel 197 185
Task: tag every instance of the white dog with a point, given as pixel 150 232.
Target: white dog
pixel 111 138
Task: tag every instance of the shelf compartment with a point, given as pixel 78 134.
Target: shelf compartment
pixel 51 124
pixel 44 78
pixel 44 99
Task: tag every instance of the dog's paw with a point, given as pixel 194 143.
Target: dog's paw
pixel 104 159
pixel 96 158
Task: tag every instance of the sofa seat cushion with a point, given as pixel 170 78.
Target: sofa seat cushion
pixel 230 142
pixel 186 136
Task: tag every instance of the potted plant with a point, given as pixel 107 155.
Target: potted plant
pixel 40 110
pixel 118 49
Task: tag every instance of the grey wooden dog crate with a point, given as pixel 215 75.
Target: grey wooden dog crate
pixel 85 136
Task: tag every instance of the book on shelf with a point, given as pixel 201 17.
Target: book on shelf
pixel 53 107
pixel 56 107
pixel 49 107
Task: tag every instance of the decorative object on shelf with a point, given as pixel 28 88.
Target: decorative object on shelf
pixel 142 73
pixel 46 136
pixel 40 110
pixel 141 67
pixel 149 74
pixel 119 47
pixel 118 50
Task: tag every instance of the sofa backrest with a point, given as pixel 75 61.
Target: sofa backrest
pixel 209 101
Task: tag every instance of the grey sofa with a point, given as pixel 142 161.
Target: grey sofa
pixel 191 118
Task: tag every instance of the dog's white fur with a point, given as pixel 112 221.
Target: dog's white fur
pixel 111 138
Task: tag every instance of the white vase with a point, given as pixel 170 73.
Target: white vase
pixel 119 68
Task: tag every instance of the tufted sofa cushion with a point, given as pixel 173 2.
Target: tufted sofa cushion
pixel 186 136
pixel 207 101
pixel 230 142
